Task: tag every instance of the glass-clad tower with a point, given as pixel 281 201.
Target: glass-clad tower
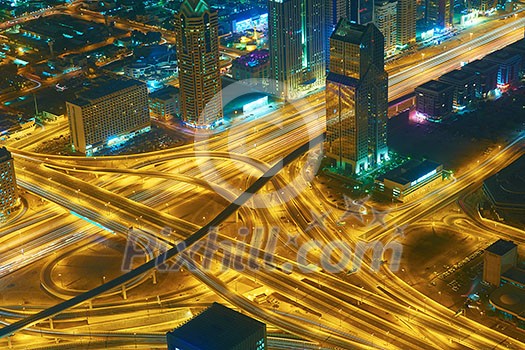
pixel 356 97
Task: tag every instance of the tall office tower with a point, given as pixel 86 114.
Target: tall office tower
pixel 385 18
pixel 406 22
pixel 334 11
pixel 439 13
pixel 8 192
pixel 361 11
pixel 111 112
pixel 297 49
pixel 356 97
pixel 196 34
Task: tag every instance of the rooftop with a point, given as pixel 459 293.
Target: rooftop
pixel 456 75
pixel 192 8
pixel 510 299
pixel 507 187
pixel 4 154
pixel 165 93
pixel 104 87
pixel 502 56
pixel 349 31
pixel 410 171
pixel 435 85
pixel 480 65
pixel 217 328
pixel 516 275
pixel 501 247
pixel 253 59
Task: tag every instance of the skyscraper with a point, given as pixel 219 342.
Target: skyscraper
pixel 196 33
pixel 8 191
pixel 406 22
pixel 334 11
pixel 439 13
pixel 385 18
pixel 297 48
pixel 361 11
pixel 356 97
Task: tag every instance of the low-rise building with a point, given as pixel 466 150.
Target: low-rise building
pixel 219 328
pixel 509 66
pixel 498 258
pixel 487 72
pixel 164 103
pixel 255 65
pixel 410 179
pixel 434 99
pixel 466 87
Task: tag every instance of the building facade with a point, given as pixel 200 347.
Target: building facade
pixel 108 114
pixel 498 258
pixel 487 73
pixel 196 33
pixel 334 11
pixel 361 11
pixel 434 99
pixel 297 46
pixel 8 190
pixel 385 18
pixel 164 104
pixel 356 97
pixel 509 63
pixel 467 88
pixel 439 14
pixel 406 22
pixel 254 65
pixel 410 179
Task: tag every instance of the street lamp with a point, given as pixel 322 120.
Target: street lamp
pixel 422 56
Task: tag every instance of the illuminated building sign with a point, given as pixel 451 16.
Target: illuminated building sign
pixel 423 178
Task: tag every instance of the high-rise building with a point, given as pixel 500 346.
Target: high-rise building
pixel 219 328
pixel 406 22
pixel 361 11
pixel 334 11
pixel 297 46
pixel 439 13
pixel 196 33
pixel 385 18
pixel 8 192
pixel 356 97
pixel 108 114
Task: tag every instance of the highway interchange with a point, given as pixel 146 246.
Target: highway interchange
pixel 191 188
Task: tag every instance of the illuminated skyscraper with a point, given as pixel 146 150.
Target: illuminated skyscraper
pixel 385 18
pixel 439 13
pixel 107 114
pixel 334 11
pixel 361 11
pixel 196 33
pixel 8 192
pixel 406 22
pixel 297 46
pixel 356 97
